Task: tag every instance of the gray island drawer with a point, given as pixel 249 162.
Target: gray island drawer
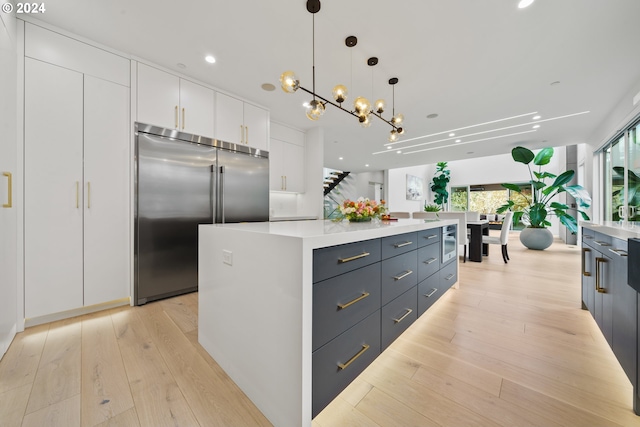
pixel 397 316
pixel 334 260
pixel 399 274
pixel 428 237
pixel 341 360
pixel 428 261
pixel 342 301
pixel 399 244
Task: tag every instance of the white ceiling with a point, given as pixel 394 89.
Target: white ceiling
pixel 469 61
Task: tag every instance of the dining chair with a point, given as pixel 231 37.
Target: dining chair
pixel 473 216
pixel 399 214
pixel 504 236
pixel 463 238
pixel 424 215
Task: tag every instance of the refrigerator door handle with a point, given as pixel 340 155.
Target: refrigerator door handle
pixel 221 192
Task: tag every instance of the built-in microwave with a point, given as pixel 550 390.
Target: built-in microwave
pixel 449 244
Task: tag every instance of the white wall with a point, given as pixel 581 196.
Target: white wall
pixel 8 163
pixel 397 188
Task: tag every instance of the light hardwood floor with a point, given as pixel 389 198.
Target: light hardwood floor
pixel 510 347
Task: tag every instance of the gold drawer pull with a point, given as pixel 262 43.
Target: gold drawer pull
pixel 619 252
pixel 449 277
pixel 365 347
pixel 601 243
pixel 584 262
pixel 353 258
pixel 399 245
pixel 598 287
pixel 183 119
pixel 431 236
pixel 408 272
pixel 430 261
pixel 360 298
pixel 9 203
pixel 586 236
pixel 433 291
pixel 409 311
pixel 176 114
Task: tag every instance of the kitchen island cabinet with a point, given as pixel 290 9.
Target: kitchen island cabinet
pixel 294 311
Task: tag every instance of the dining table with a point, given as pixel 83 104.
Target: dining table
pixel 476 248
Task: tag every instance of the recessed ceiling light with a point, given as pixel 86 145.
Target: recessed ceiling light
pixel 536 118
pixel 536 126
pixel 432 116
pixel 458 140
pixel 366 166
pixel 399 152
pixel 524 3
pixel 181 65
pixel 340 158
pixel 389 148
pixel 210 59
pixel 268 87
pixel 452 134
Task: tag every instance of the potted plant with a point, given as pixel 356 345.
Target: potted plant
pixel 431 207
pixel 538 207
pixel 439 184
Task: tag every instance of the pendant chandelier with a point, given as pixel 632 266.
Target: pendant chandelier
pixel 362 108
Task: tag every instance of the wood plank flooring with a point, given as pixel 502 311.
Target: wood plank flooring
pixel 510 347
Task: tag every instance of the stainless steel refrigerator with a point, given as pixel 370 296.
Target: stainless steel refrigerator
pixel 181 181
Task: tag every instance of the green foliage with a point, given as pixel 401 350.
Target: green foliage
pixel 633 194
pixel 540 206
pixel 431 207
pixel 439 184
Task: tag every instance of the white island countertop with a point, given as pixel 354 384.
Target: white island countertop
pixel 256 302
pixel 625 231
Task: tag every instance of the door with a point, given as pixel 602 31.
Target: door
pixel 196 109
pixel 173 196
pixel 243 183
pixel 106 187
pixel 256 126
pixel 53 185
pixel 158 97
pixel 229 125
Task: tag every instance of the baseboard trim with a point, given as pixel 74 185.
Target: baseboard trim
pixel 34 321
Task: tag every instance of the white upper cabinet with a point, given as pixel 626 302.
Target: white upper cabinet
pixel 286 160
pixel 239 122
pixel 170 102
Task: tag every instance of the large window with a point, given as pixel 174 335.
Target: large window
pixel 459 198
pixel 622 176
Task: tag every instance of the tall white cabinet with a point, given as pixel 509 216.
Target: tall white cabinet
pixel 172 102
pixel 286 159
pixel 76 178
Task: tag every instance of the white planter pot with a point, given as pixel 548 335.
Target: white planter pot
pixel 536 238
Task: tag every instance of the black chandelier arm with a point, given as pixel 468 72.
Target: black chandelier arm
pixel 326 101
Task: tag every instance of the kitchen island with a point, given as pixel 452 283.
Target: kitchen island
pixel 293 311
pixel 608 292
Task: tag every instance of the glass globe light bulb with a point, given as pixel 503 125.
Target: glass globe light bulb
pixel 393 136
pixel 315 110
pixel 380 106
pixel 365 121
pixel 400 131
pixel 362 106
pixel 340 93
pixel 397 119
pixel 289 82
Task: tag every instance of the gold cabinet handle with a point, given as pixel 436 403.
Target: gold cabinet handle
pixel 88 195
pixel 433 291
pixel 431 236
pixel 584 262
pixel 246 134
pixel 430 261
pixel 176 116
pixel 409 311
pixel 360 298
pixel 183 119
pixel 241 134
pixel 282 182
pixel 399 245
pixel 77 194
pixel 619 252
pixel 599 288
pixel 601 243
pixel 285 182
pixel 353 258
pixel 587 236
pixel 402 276
pixel 365 347
pixel 9 203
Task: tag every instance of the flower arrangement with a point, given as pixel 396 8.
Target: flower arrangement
pixel 362 209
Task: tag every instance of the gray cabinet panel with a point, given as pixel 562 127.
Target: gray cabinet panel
pixel 399 274
pixel 429 237
pixel 397 316
pixel 429 290
pixel 588 277
pixel 625 311
pixel 342 301
pixel 449 275
pixel 603 299
pixel 399 244
pixel 328 378
pixel 428 261
pixel 334 260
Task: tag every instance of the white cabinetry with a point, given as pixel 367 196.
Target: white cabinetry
pixel 241 123
pixel 286 160
pixel 172 102
pixel 76 187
